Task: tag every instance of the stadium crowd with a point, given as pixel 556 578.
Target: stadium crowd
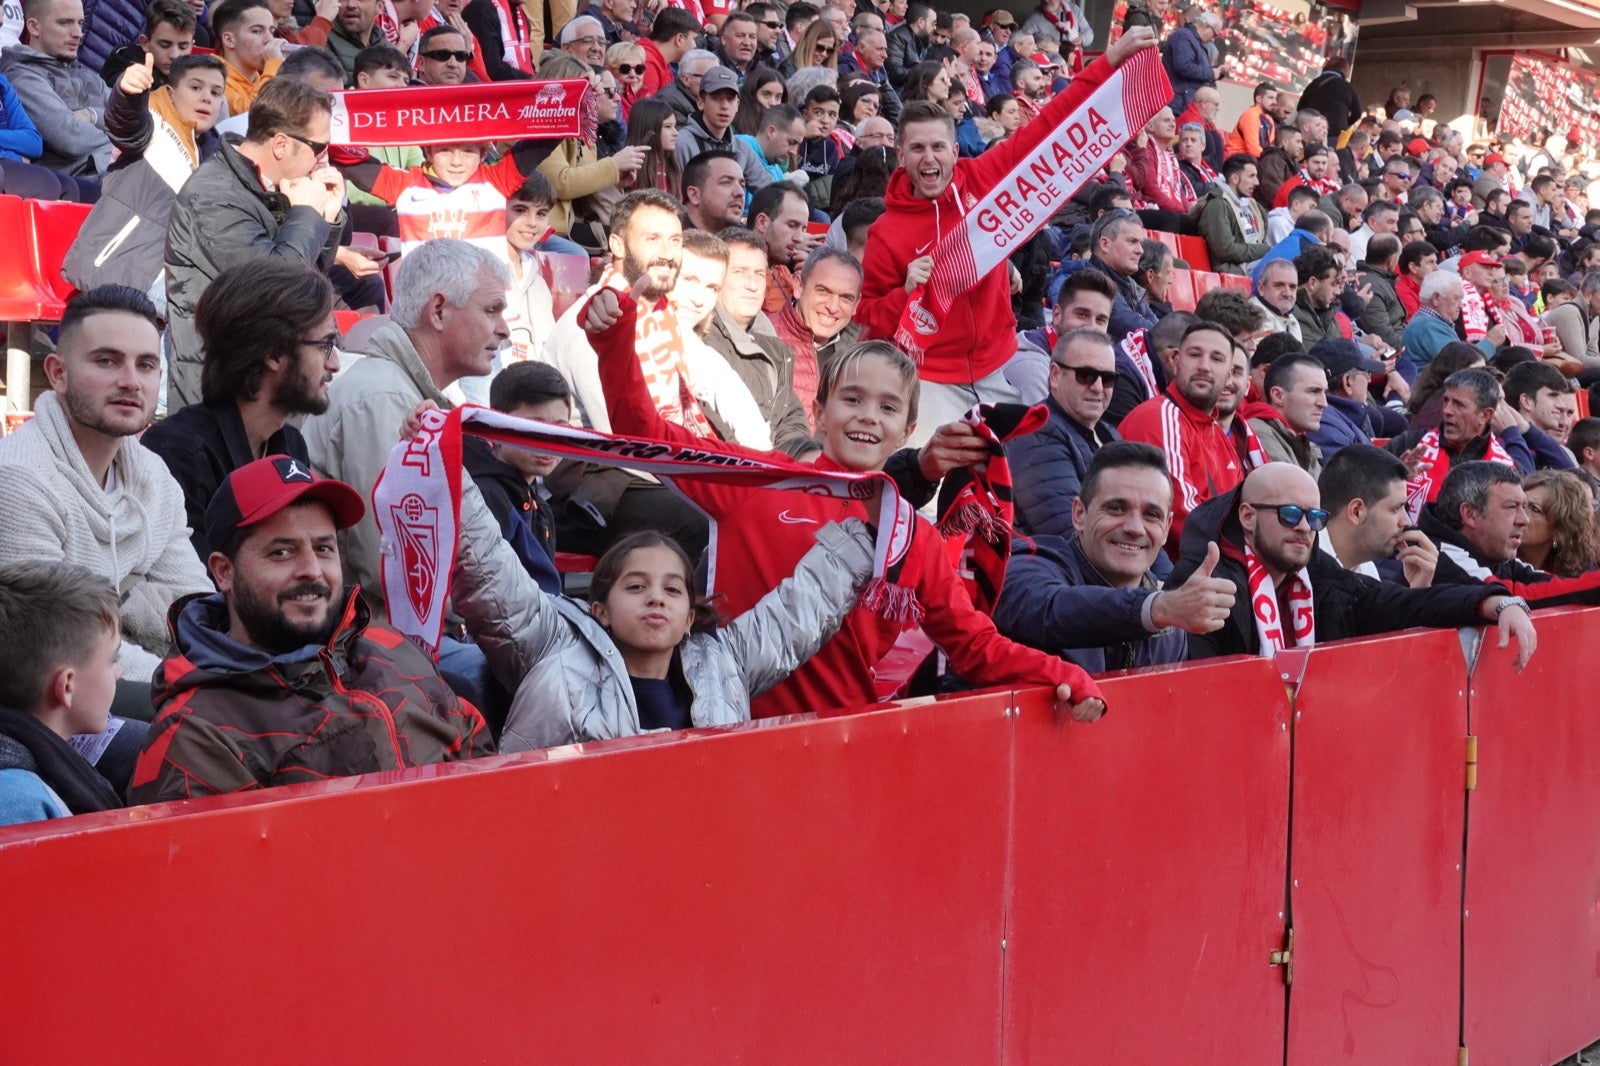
pixel 1377 428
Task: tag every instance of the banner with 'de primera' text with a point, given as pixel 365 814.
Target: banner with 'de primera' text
pixel 452 114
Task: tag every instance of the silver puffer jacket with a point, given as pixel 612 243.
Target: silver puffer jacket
pixel 569 678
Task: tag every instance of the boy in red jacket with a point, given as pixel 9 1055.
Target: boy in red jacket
pixel 866 404
pixel 929 196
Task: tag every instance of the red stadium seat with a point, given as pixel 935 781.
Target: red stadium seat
pixel 346 320
pixel 1236 282
pixel 575 563
pixel 1192 250
pixel 1168 239
pixel 53 226
pixel 1180 294
pixel 1205 281
pixel 1583 403
pixel 20 297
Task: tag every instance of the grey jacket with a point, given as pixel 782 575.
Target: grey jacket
pixel 223 217
pixel 1283 445
pixel 766 365
pixel 694 138
pixel 351 440
pixel 570 681
pixel 51 90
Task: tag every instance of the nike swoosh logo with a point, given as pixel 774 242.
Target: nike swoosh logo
pixel 796 520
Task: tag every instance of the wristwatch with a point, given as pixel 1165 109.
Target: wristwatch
pixel 1511 601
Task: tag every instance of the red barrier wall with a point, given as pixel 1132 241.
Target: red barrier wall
pixel 1533 853
pixel 1375 898
pixel 1148 865
pixel 822 893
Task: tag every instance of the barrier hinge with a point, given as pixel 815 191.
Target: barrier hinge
pixel 1472 768
pixel 1285 957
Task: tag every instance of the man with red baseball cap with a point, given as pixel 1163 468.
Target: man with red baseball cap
pixel 1479 315
pixel 280 677
pixel 1495 174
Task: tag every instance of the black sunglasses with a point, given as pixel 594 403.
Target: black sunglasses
pixel 628 68
pixel 1291 514
pixel 318 148
pixel 773 25
pixel 1088 375
pixel 439 55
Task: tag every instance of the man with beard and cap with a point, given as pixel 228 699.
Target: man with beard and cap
pixel 271 350
pixel 1182 422
pixel 1290 594
pixel 281 676
pixel 601 504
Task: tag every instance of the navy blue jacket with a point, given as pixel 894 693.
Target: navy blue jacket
pixel 1131 310
pixel 1344 422
pixel 1188 64
pixel 1056 601
pixel 1047 469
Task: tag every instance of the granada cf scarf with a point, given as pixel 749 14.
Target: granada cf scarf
pixel 666 374
pixel 458 114
pixel 1021 203
pixel 978 517
pixel 1250 449
pixel 1423 487
pixel 1264 606
pixel 1136 346
pixel 417 504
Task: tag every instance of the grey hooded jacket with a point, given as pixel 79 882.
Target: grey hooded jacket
pixel 569 678
pixel 51 90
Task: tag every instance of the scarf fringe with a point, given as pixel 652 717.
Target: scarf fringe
pixel 893 602
pixel 972 517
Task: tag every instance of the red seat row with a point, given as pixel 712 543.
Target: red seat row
pixel 1189 285
pixel 31 286
pixel 1191 250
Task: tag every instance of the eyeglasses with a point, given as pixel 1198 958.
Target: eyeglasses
pixel 328 344
pixel 1088 375
pixel 439 55
pixel 610 92
pixel 1290 515
pixel 318 148
pixel 628 68
pixel 587 40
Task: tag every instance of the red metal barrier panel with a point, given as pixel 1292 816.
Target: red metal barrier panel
pixel 1533 850
pixel 825 892
pixel 1148 870
pixel 1375 857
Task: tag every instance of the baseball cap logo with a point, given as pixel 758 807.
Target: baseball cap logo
pixel 289 469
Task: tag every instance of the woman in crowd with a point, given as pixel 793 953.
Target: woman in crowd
pixel 859 100
pixel 625 60
pixel 1561 537
pixel 763 88
pixel 575 167
pixel 818 47
pixel 654 127
pixel 927 81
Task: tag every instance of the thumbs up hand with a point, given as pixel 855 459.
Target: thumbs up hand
pixel 138 77
pixel 1201 604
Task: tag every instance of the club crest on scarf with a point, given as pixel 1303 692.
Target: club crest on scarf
pixel 416 527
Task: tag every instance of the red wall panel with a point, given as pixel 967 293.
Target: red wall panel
pixel 1532 987
pixel 824 892
pixel 1375 861
pixel 1148 862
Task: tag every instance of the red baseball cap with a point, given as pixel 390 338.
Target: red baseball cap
pixel 257 491
pixel 1493 158
pixel 1481 257
pixel 1044 60
pixel 1417 146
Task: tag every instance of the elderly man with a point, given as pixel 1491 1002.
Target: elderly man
pixel 1474 424
pixel 683 93
pixel 1202 111
pixel 816 323
pixel 1289 594
pixel 872 53
pixel 1433 326
pixel 1275 289
pixel 1187 56
pixel 1091 594
pixel 584 38
pixel 1296 388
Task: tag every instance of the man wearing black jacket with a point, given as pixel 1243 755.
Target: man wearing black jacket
pixel 1478 521
pixel 1292 595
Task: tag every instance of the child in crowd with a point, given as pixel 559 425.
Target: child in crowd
pixel 865 408
pixel 530 309
pixel 162 135
pixel 60 628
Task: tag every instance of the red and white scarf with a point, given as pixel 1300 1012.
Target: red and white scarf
pixel 659 344
pixel 1137 348
pixel 1478 312
pixel 1252 453
pixel 1423 487
pixel 1264 607
pixel 1032 191
pixel 977 521
pixel 417 503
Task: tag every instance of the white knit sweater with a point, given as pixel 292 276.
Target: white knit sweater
pixel 135 534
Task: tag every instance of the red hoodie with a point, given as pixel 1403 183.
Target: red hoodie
pixel 1202 460
pixel 759 537
pixel 976 338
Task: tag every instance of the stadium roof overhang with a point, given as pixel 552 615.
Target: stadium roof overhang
pixel 1425 26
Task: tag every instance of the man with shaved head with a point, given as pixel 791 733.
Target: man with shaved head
pixel 1290 594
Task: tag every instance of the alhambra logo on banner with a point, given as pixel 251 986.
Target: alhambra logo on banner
pixel 453 114
pixel 1021 203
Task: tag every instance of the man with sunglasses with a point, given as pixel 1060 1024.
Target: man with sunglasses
pixel 1290 594
pixel 274 195
pixel 443 57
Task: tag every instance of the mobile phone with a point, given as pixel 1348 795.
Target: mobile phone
pixel 380 257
